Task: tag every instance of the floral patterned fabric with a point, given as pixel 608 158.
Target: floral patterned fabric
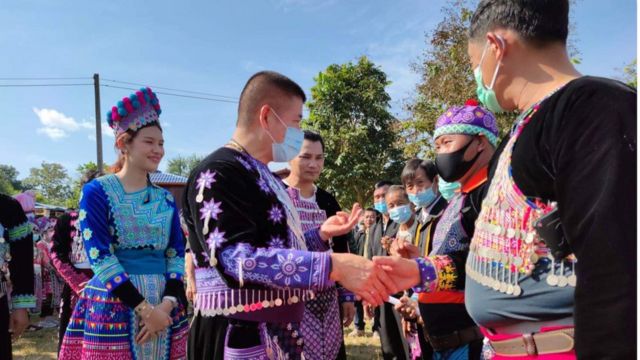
pixel 102 325
pixel 243 224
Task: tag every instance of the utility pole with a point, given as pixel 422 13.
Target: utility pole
pixel 96 86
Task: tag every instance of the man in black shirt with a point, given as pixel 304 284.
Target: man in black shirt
pixel 575 154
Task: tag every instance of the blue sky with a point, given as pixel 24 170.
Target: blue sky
pixel 213 47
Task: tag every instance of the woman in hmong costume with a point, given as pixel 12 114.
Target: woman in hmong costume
pixel 16 271
pixel 51 282
pixel 134 306
pixel 40 276
pixel 62 258
pixel 70 260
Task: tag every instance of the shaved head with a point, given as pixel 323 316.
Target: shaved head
pixel 266 88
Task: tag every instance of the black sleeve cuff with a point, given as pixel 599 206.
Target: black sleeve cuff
pixel 175 288
pixel 128 294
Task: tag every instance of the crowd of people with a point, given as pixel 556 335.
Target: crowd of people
pixel 504 246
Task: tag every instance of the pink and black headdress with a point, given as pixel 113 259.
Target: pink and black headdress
pixel 133 112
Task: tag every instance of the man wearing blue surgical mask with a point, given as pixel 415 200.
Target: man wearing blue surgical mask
pixel 248 241
pixel 385 322
pixel 420 180
pixel 572 149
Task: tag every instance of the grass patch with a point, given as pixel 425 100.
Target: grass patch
pixel 43 345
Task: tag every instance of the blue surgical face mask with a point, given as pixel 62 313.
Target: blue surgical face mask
pixel 423 199
pixel 486 94
pixel 290 147
pixel 400 214
pixel 381 207
pixel 447 190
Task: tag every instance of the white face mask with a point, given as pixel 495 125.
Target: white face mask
pixel 290 146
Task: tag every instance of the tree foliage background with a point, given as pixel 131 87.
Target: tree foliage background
pixel 446 76
pixel 52 183
pixel 182 165
pixel 9 183
pixel 446 79
pixel 350 108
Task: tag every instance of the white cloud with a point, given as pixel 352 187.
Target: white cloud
pixel 53 133
pixel 57 125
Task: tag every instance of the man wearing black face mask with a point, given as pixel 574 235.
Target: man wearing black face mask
pixel 465 140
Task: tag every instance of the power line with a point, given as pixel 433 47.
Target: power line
pixel 40 85
pixel 44 78
pixel 172 94
pixel 171 89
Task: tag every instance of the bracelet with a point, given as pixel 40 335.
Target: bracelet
pixel 172 299
pixel 144 309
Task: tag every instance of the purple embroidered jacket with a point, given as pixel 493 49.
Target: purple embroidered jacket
pixel 250 252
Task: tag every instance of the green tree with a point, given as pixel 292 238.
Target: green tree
pixel 349 107
pixel 82 169
pixel 9 183
pixel 446 79
pixel 630 73
pixel 51 181
pixel 183 165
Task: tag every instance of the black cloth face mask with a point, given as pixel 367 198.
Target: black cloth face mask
pixel 452 166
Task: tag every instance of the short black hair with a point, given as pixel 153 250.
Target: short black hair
pixel 409 171
pixel 266 87
pixel 314 137
pixel 539 22
pixel 383 183
pixel 400 189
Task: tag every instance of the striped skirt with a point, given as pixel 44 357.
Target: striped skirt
pixel 103 328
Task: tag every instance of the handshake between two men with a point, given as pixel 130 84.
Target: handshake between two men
pixel 375 280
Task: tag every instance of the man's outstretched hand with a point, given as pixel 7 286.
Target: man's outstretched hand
pixel 340 223
pixel 404 273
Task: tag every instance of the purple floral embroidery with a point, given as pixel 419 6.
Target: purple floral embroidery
pixel 210 209
pixel 205 256
pixel 276 242
pixel 216 238
pixel 205 180
pixel 248 264
pixel 244 162
pixel 289 268
pixel 275 214
pixel 264 186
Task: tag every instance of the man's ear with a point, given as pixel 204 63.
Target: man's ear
pixel 484 143
pixel 498 44
pixel 263 116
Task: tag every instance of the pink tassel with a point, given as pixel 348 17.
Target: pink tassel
pixel 127 105
pixel 114 114
pixel 141 99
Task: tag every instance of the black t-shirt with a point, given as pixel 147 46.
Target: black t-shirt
pixel 579 149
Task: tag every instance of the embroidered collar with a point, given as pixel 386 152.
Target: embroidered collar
pixel 479 178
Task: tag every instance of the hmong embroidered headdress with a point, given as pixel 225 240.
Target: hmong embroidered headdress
pixel 133 112
pixel 470 119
